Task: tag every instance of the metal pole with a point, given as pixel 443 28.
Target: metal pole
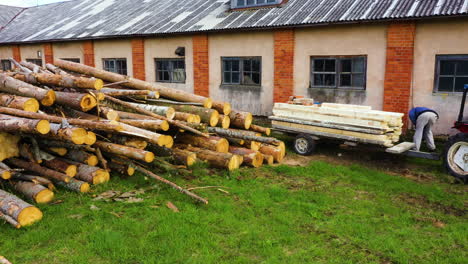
pixel 462 108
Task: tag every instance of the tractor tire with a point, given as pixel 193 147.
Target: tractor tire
pixel 304 145
pixel 451 149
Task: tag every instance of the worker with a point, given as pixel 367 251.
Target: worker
pixel 423 119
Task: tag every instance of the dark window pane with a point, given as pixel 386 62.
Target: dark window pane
pixel 446 84
pixel 330 65
pixel 345 80
pixel 235 65
pixel 329 79
pixel 248 79
pixel 359 65
pixel 358 80
pixel 227 65
pixel 240 2
pixel 447 67
pixel 250 2
pixel 166 76
pixel 318 80
pixel 227 77
pixel 346 65
pixel 462 67
pixel 319 65
pixel 259 2
pixel 256 65
pixel 247 65
pixel 460 83
pixel 256 78
pixel 235 77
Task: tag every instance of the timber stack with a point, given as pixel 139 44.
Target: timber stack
pixel 69 126
pixel 354 123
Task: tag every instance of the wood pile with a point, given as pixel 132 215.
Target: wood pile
pixel 69 126
pixel 340 121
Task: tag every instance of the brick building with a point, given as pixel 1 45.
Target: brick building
pixel 390 54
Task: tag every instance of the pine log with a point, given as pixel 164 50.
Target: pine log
pixel 90 138
pixel 129 152
pixel 198 126
pixel 222 107
pixel 34 179
pixel 235 141
pixel 268 159
pixel 153 125
pixel 275 151
pixel 109 126
pixel 241 120
pixel 212 143
pixel 224 121
pixel 122 168
pixel 15 124
pixel 253 145
pixel 73 134
pixel 59 80
pixel 19 102
pixel 246 135
pixel 251 157
pixel 153 137
pixel 5 174
pixel 23 213
pixel 179 156
pixel 133 142
pixel 186 117
pixel 216 159
pixel 126 115
pixel 12 86
pixel 82 157
pixel 62 166
pixel 166 111
pixel 109 113
pixel 145 112
pixel 260 129
pixel 209 116
pixel 170 93
pixel 79 101
pixel 45 172
pixel 92 175
pixel 32 66
pixel 59 151
pixel 9 146
pixel 122 92
pixel 75 185
pixel 34 192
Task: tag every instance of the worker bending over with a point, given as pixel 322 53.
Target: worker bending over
pixel 424 119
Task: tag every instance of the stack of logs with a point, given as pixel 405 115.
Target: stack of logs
pixel 69 125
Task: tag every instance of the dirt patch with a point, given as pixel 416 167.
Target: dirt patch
pixel 422 202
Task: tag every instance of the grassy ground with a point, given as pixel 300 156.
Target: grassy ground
pixel 325 209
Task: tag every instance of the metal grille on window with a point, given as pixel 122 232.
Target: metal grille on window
pixel 452 73
pixel 170 70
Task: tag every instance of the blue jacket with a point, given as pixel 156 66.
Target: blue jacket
pixel 417 111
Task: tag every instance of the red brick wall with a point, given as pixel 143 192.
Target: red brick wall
pixel 399 68
pixel 16 52
pixel 88 53
pixel 201 68
pixel 284 65
pixel 48 53
pixel 138 58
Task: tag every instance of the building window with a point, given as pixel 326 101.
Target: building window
pixel 5 65
pixel 242 70
pixel 76 60
pixel 116 65
pixel 35 61
pixel 451 73
pixel 338 72
pixel 170 70
pixel 253 3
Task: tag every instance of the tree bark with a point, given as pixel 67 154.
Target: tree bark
pixel 75 185
pixel 274 151
pixel 34 179
pixel 209 116
pixel 260 129
pixel 92 175
pixel 153 137
pixel 153 125
pixel 186 117
pixel 251 157
pixel 62 166
pixel 216 159
pixel 15 124
pixel 246 135
pixel 79 101
pixel 121 92
pixel 34 192
pixel 19 102
pixel 82 157
pixel 212 143
pixel 165 111
pixel 59 80
pixel 170 93
pixel 241 120
pixel 222 107
pixel 129 152
pixel 45 172
pixel 122 168
pixel 12 86
pixel 129 141
pixel 22 212
pixel 73 134
pixel 179 156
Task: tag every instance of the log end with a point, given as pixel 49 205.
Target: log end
pixel 31 105
pixel 233 163
pixel 92 160
pixel 214 118
pixel 226 122
pixel 79 136
pixel 165 125
pixel 257 160
pixel 248 121
pixel 45 196
pixel 84 188
pixel 227 108
pixel 49 98
pixel 170 113
pixel 59 151
pixel 102 176
pixel 100 96
pixel 191 159
pixel 130 171
pixel 190 118
pixel 268 131
pixel 43 127
pixel 6 175
pixel 255 145
pixel 90 138
pixel 169 142
pixel 222 145
pixel 71 171
pixel 88 102
pixel 98 84
pixel 208 103
pixel 197 119
pixel 29 216
pixel 112 115
pixel 149 157
pixel 268 159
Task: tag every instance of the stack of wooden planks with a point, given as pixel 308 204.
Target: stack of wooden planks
pixel 68 126
pixel 340 121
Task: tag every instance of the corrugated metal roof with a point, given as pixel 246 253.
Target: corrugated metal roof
pixel 85 19
pixel 7 13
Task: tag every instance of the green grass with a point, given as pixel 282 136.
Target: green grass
pixel 319 213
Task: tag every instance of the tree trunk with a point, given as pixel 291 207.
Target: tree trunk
pixel 212 143
pixel 5 174
pixel 61 166
pixel 34 179
pixel 216 159
pixel 186 117
pixel 251 157
pixel 165 111
pixel 153 125
pixel 121 92
pixel 222 107
pixel 268 159
pixel 179 156
pixel 152 137
pixel 12 86
pixel 122 168
pixel 15 124
pixel 47 143
pixel 253 145
pixel 209 116
pixel 108 126
pixel 34 192
pixel 246 135
pixel 79 101
pixel 241 120
pixel 93 175
pixel 45 172
pixel 224 121
pixel 129 152
pixel 235 141
pixel 126 115
pixel 260 129
pixel 82 157
pixel 109 113
pixel 58 80
pixel 75 185
pixel 274 151
pixel 170 93
pixel 23 213
pixel 73 134
pixel 129 141
pixel 19 102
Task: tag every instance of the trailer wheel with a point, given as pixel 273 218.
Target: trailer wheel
pixel 304 145
pixel 457 146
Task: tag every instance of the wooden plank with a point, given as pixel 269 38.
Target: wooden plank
pixel 422 155
pixel 400 148
pixel 346 106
